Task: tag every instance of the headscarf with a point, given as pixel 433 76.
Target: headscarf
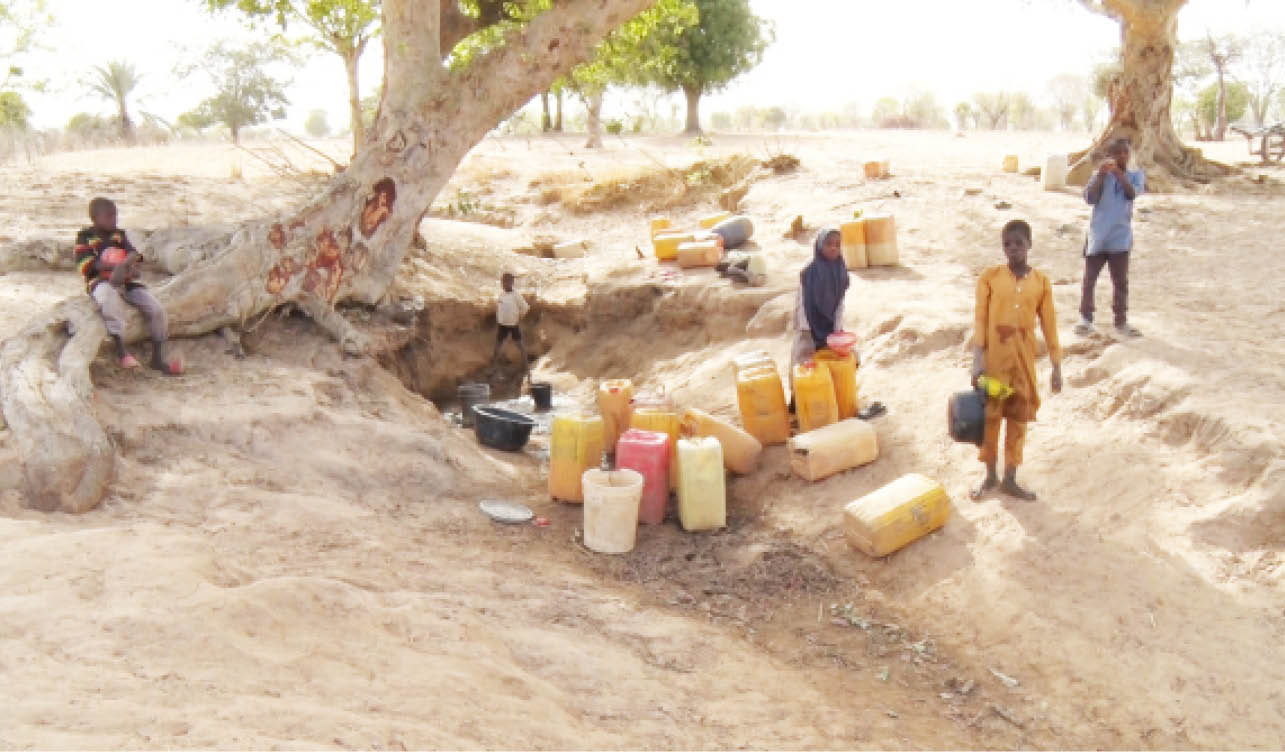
pixel 824 283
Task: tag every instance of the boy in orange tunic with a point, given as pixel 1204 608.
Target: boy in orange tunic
pixel 1009 298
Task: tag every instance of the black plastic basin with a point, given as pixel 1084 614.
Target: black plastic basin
pixel 966 416
pixel 501 429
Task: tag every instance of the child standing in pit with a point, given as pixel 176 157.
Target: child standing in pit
pixel 108 262
pixel 1111 192
pixel 508 313
pixel 1009 298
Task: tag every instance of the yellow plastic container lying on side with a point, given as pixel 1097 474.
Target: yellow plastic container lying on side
pixel 713 219
pixel 761 400
pixel 702 486
pixel 896 515
pixel 698 253
pixel 881 241
pixel 852 236
pixel 666 243
pixel 841 446
pixel 660 224
pixel 877 169
pixel 814 401
pixel 740 449
pixel 576 446
pixel 614 396
pixel 843 372
pixel 661 420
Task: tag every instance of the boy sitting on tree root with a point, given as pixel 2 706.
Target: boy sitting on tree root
pixel 1009 298
pixel 108 261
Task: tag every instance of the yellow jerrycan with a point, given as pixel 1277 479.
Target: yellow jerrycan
pixel 896 515
pixel 843 372
pixel 651 413
pixel 837 447
pixel 814 401
pixel 761 401
pixel 740 449
pixel 614 396
pixel 702 485
pixel 709 221
pixel 852 241
pixel 576 446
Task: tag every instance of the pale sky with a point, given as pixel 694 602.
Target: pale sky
pixel 827 52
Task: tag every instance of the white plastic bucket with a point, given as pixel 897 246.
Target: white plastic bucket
pixel 611 500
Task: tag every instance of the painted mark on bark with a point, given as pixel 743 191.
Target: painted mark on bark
pixel 397 142
pixel 554 44
pixel 378 207
pixel 279 275
pixel 277 236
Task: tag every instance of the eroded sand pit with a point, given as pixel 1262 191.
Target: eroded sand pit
pixel 292 553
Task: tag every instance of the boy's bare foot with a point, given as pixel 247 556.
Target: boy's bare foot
pixel 988 485
pixel 128 361
pixel 1011 488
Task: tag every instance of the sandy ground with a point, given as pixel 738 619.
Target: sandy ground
pixel 292 556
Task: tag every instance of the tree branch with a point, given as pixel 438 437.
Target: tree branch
pixel 529 61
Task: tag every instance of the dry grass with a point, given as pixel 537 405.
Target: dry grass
pixel 648 188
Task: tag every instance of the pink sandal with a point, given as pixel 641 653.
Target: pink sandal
pixel 129 361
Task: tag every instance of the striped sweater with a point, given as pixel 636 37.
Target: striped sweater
pixel 90 244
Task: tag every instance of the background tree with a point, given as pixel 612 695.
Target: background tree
pixel 1223 52
pixel 246 91
pixel 1023 113
pixel 1140 97
pixel 1262 68
pixel 1067 93
pixel 21 22
pixel 344 245
pixel 993 108
pixel 341 27
pixel 116 82
pixel 15 115
pixel 727 40
pixel 886 112
pixel 920 110
pixel 626 54
pixel 317 125
pixel 1231 101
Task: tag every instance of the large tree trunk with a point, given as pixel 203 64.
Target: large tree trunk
pixel 693 110
pixel 593 103
pixel 345 245
pixel 1140 98
pixel 352 61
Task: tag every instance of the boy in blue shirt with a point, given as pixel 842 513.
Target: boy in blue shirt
pixel 1111 192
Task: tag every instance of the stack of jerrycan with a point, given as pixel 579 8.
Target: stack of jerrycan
pixel 648 453
pixel 843 372
pixel 760 398
pixel 702 485
pixel 576 446
pixel 815 404
pixel 656 412
pixel 614 396
pixel 740 449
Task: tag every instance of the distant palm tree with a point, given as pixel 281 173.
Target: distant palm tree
pixel 115 82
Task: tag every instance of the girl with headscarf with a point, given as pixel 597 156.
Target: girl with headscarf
pixel 818 312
